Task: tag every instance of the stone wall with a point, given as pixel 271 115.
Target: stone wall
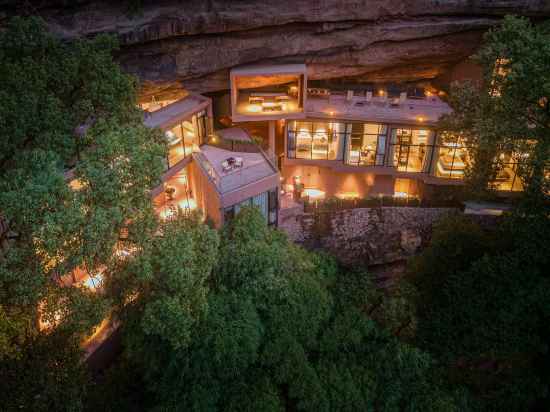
pixel 366 235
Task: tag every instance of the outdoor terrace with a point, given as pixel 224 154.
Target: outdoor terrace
pixel 377 108
pixel 256 169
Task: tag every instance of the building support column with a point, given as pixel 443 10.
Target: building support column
pixel 272 138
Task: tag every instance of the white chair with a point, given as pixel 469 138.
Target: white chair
pixel 238 162
pixel 368 97
pixel 402 97
pixel 225 166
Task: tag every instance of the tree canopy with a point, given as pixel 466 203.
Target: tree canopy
pixel 62 102
pixel 278 330
pixel 510 110
pixel 484 306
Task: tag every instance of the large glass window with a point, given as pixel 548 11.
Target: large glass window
pixel 411 149
pixel 366 145
pixel 453 157
pixel 266 202
pixel 316 140
pixel 186 137
pixel 507 178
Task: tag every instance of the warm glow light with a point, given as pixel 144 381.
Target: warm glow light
pixel 428 93
pixel 401 194
pixel 76 184
pixel 185 204
pixel 254 108
pixel 381 92
pixel 314 194
pixel 420 119
pixel 347 195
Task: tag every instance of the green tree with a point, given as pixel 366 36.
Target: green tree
pixel 51 89
pixel 510 109
pixel 281 330
pixel 485 303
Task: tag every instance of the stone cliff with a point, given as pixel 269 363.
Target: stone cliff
pixel 172 44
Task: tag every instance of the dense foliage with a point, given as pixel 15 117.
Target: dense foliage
pixel 60 102
pixel 485 305
pixel 259 324
pixel 242 319
pixel 510 110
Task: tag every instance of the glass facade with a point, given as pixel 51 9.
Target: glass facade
pixel 452 157
pixel 411 149
pixel 186 137
pixel 416 150
pixel 367 144
pixel 266 202
pixel 316 140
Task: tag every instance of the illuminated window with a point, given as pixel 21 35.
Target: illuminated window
pixel 453 157
pixel 367 144
pixel 507 178
pixel 500 72
pixel 316 140
pixel 411 149
pixel 186 137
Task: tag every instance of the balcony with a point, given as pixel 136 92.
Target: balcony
pixel 377 107
pixel 237 175
pixel 268 92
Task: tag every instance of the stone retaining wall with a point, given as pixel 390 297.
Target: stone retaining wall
pixel 366 235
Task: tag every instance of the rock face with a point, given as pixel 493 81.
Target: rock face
pixel 366 236
pixel 172 44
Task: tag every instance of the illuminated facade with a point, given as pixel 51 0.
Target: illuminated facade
pixel 357 143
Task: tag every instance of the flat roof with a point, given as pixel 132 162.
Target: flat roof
pixel 411 111
pixel 268 69
pixel 176 112
pixel 235 134
pixel 255 167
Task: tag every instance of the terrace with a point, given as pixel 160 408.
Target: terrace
pixel 240 178
pixel 379 107
pixel 268 92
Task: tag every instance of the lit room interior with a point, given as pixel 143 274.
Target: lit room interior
pixel 177 195
pixel 410 149
pixel 182 140
pixel 367 144
pixel 453 159
pixel 258 92
pixel 316 140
